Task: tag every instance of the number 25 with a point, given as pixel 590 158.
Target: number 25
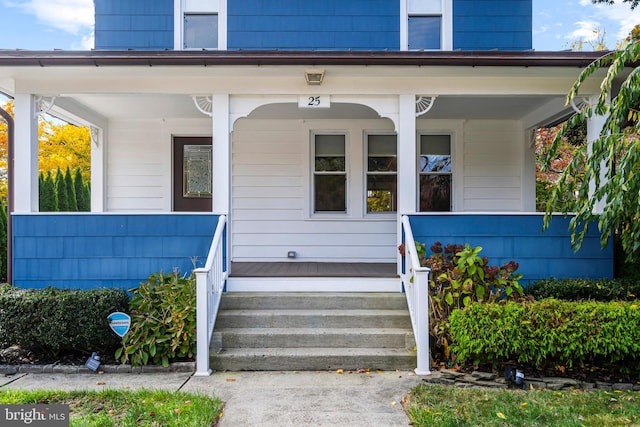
pixel 314 101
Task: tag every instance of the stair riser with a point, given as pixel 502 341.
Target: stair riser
pixel 352 340
pixel 226 320
pixel 313 302
pixel 269 363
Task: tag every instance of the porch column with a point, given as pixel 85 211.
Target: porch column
pixel 25 183
pixel 221 153
pixel 594 127
pixel 407 152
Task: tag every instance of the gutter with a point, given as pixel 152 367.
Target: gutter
pixel 309 58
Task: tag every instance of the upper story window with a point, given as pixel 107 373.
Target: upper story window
pixel 426 24
pixel 425 32
pixel 382 171
pixel 198 24
pixel 435 173
pixel 200 31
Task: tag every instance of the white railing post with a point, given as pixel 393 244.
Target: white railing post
pixel 415 279
pixel 421 331
pixel 210 281
pixel 202 324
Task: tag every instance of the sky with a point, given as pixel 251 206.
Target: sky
pixel 68 24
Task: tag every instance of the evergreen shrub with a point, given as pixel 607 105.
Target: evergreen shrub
pixel 549 332
pixel 57 321
pixel 163 321
pixel 585 289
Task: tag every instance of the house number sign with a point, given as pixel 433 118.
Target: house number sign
pixel 314 101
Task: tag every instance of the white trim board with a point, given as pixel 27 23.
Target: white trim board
pixel 313 284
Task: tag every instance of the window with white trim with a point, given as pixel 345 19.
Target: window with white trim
pixel 330 173
pixel 435 173
pixel 382 173
pixel 200 22
pixel 426 25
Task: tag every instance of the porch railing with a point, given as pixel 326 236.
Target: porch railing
pixel 210 281
pixel 415 279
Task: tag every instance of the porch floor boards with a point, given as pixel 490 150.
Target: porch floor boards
pixel 312 269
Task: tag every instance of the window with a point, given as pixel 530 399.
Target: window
pixel 330 174
pixel 382 170
pixel 435 173
pixel 200 31
pixel 425 32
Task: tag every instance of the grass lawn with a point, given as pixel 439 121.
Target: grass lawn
pixel 121 408
pixel 435 405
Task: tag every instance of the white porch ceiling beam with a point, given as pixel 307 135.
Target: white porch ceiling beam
pixel 289 80
pixel 72 111
pixel 547 113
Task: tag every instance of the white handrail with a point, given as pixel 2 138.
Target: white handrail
pixel 415 279
pixel 210 281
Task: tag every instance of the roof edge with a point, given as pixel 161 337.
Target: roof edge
pixel 308 58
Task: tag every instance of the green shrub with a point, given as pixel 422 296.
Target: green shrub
pixel 585 289
pixel 163 321
pixel 548 333
pixel 56 321
pixel 460 277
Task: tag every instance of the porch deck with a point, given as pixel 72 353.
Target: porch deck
pixel 313 269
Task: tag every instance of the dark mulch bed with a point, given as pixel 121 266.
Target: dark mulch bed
pixel 587 373
pixel 14 355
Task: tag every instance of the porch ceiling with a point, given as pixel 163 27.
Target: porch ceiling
pixel 148 106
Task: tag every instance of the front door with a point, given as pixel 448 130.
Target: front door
pixel 192 174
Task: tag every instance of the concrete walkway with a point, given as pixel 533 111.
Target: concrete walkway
pixel 263 398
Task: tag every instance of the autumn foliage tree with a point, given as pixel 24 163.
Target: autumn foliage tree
pixel 611 162
pixel 61 146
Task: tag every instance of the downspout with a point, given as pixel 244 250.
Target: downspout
pixel 10 145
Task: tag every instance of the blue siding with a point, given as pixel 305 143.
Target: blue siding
pixel 307 25
pixel 89 251
pixel 140 24
pixel 492 24
pixel 520 238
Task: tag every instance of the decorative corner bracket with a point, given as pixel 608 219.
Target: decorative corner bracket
pixel 95 135
pixel 44 104
pixel 204 104
pixel 424 104
pixel 583 102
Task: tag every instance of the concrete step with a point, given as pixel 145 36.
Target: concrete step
pixel 312 301
pixel 317 337
pixel 312 331
pixel 313 319
pixel 311 359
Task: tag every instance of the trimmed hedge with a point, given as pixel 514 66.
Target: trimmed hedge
pixel 56 321
pixel 549 332
pixel 585 289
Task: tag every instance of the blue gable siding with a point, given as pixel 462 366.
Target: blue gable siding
pixel 139 24
pixel 520 238
pixel 103 250
pixel 307 25
pixel 492 24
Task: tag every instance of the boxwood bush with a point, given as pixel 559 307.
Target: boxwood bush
pixel 548 333
pixel 56 321
pixel 585 289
